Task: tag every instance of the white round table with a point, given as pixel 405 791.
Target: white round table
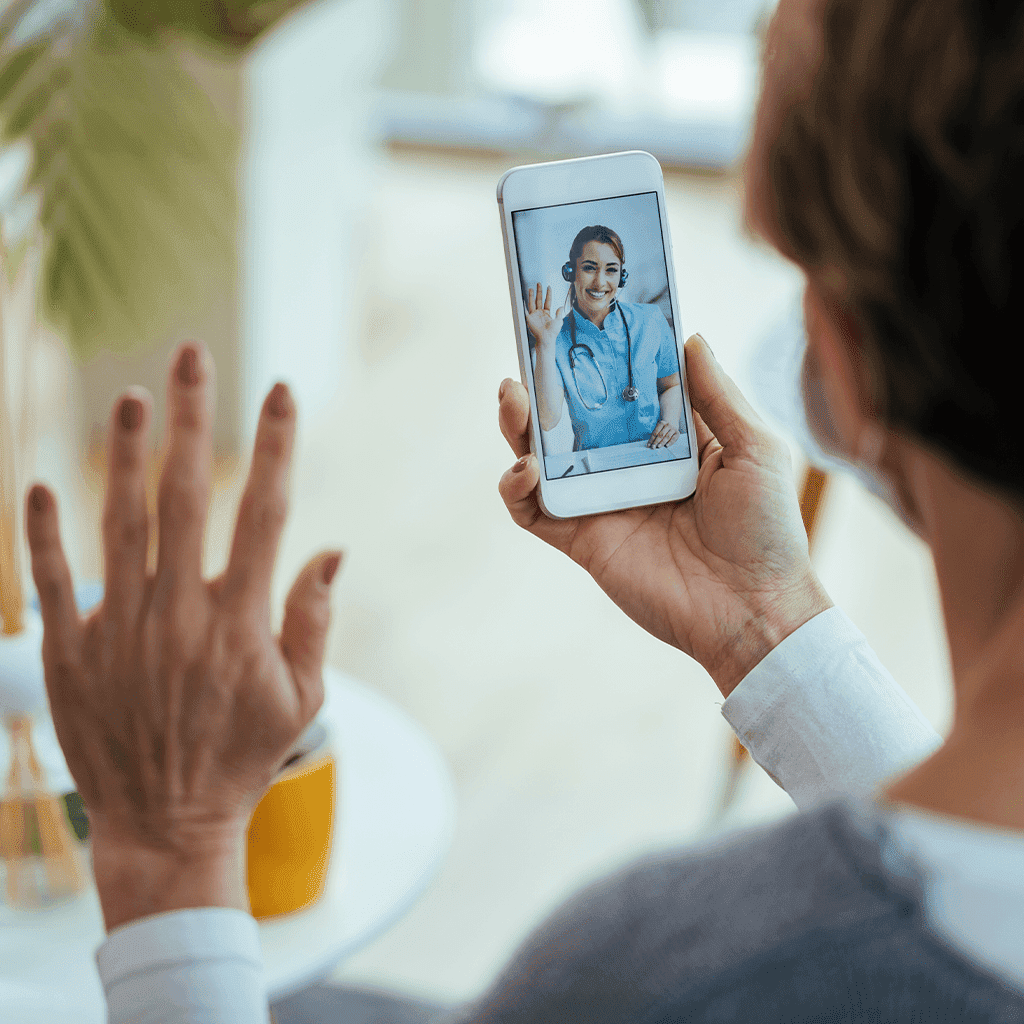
pixel 395 817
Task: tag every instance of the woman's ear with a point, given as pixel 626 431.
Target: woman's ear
pixel 839 391
pixel 839 396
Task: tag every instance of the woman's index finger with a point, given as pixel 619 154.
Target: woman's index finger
pixel 50 570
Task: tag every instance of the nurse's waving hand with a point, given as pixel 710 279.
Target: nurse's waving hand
pixel 725 575
pixel 545 329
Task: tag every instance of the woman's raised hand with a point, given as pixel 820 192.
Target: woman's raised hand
pixel 174 701
pixel 542 325
pixel 724 576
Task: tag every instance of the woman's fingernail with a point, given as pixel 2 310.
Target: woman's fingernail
pixel 502 387
pixel 705 341
pixel 330 567
pixel 277 401
pixel 188 367
pixel 39 499
pixel 130 414
pixel 521 464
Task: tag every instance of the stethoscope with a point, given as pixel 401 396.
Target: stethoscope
pixel 629 392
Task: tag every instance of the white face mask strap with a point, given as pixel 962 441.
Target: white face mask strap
pixel 871 445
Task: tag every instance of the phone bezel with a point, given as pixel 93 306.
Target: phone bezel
pixel 580 180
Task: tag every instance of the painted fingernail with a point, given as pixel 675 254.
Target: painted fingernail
pixel 130 414
pixel 277 402
pixel 39 499
pixel 521 464
pixel 330 567
pixel 188 367
pixel 503 387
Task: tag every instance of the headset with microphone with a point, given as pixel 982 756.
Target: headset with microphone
pixel 629 393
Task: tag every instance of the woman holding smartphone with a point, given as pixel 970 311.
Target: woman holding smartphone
pixel 613 363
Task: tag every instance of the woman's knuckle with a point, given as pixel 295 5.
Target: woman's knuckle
pixel 311 616
pixel 265 513
pixel 277 508
pixel 321 616
pixel 125 458
pixel 177 499
pixel 188 416
pixel 128 531
pixel 177 626
pixel 272 443
pixel 49 586
pixel 237 637
pixel 62 674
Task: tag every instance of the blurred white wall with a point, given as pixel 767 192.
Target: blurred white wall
pixel 561 78
pixel 306 178
pixel 562 51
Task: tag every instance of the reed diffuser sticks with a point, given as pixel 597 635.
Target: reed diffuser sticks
pixel 43 860
pixel 12 593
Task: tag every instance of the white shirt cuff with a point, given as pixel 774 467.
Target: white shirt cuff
pixel 202 965
pixel 823 717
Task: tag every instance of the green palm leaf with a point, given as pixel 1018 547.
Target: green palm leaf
pixel 228 23
pixel 132 172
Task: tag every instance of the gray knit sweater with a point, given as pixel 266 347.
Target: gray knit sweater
pixel 807 920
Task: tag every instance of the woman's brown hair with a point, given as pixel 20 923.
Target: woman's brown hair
pixel 901 176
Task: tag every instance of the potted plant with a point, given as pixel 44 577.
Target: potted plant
pixel 119 208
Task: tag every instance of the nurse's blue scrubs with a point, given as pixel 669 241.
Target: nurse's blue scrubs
pixel 616 421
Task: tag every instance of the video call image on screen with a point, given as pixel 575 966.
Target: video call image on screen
pixel 602 340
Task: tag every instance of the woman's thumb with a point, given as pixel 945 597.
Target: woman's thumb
pixel 715 396
pixel 307 616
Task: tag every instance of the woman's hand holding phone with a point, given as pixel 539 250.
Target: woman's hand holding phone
pixel 724 576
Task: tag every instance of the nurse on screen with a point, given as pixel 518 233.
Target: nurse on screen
pixel 613 363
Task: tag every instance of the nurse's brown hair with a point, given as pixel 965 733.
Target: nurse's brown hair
pixel 596 233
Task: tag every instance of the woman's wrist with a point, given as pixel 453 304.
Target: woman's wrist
pixel 136 881
pixel 766 628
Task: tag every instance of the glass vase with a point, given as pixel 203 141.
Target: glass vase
pixel 41 859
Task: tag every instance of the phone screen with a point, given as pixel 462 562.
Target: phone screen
pixel 602 339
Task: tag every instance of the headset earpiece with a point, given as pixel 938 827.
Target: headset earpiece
pixel 623 277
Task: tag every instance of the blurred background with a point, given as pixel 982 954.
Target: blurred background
pixel 349 244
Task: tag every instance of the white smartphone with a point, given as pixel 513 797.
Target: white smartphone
pixel 597 324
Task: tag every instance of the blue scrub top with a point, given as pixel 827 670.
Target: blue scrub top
pixel 616 421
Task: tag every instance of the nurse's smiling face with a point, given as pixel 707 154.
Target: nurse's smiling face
pixel 597 280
